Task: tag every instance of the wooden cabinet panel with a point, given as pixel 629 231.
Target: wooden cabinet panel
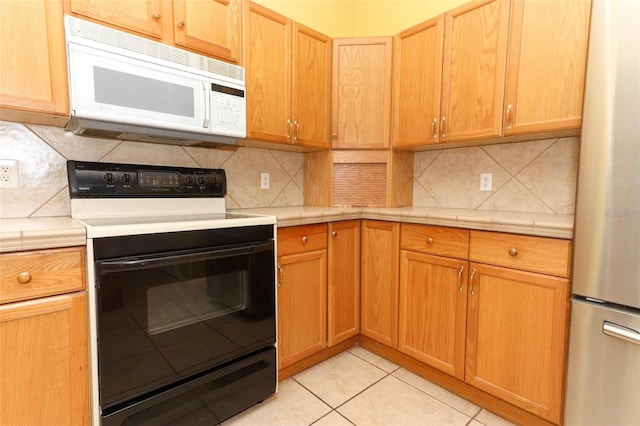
pixel 302 306
pixel 33 70
pixel 209 26
pixel 473 72
pixel 343 308
pixel 417 80
pixel 545 85
pixel 141 16
pixel 379 288
pixel 433 305
pixel 437 240
pixel 32 274
pixel 298 239
pixel 311 87
pixel 516 337
pixel 361 93
pixel 44 362
pixel 537 254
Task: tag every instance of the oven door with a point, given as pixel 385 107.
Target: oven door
pixel 166 317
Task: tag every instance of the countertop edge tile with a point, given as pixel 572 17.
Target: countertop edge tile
pixel 19 234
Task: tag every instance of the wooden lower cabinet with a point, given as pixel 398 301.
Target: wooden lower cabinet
pixel 433 310
pixel 516 337
pixel 379 281
pixel 343 310
pixel 43 360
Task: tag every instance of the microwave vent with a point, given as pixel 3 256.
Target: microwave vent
pixel 84 30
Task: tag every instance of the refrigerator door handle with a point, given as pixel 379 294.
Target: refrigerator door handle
pixel 621 332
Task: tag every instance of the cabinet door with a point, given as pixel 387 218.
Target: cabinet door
pixel 143 16
pixel 417 81
pixel 33 70
pixel 361 86
pixel 379 268
pixel 344 281
pixel 516 337
pixel 268 72
pixel 44 361
pixel 311 87
pixel 209 26
pixel 302 306
pixel 433 310
pixel 545 85
pixel 473 70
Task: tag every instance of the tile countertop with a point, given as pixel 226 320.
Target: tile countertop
pixel 39 233
pixel 537 224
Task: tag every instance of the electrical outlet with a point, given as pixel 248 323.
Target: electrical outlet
pixel 486 181
pixel 264 180
pixel 9 174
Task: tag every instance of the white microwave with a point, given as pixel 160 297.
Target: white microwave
pixel 128 87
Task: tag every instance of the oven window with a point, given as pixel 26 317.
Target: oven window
pixel 164 318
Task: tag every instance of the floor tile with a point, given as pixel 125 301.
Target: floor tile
pixel 293 405
pixel 439 393
pixel 374 359
pixel 393 402
pixel 339 378
pixel 487 418
pixel 333 419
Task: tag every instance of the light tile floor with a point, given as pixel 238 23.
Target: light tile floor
pixel 357 387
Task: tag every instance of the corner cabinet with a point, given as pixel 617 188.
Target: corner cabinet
pixel 288 70
pixel 302 292
pixel 33 68
pixel 43 335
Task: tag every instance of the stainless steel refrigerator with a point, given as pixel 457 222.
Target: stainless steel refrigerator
pixel 603 382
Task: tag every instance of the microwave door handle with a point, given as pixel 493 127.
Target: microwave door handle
pixel 205 104
pixel 107 266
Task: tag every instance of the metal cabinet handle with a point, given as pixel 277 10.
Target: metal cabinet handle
pixel 297 132
pixel 181 23
pixel 509 117
pixel 290 129
pixel 156 14
pixel 434 130
pixel 473 274
pixel 621 332
pixel 281 273
pixel 513 252
pixel 430 241
pixel 305 239
pixel 442 128
pixel 24 277
pixel 460 278
pixel 334 234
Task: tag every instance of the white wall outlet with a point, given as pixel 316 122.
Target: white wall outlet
pixel 264 180
pixel 9 174
pixel 486 181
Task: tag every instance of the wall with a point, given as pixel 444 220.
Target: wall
pixel 42 152
pixel 360 18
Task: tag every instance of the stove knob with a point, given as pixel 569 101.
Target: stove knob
pixel 108 178
pixel 188 180
pixel 126 178
pixel 217 179
pixel 202 180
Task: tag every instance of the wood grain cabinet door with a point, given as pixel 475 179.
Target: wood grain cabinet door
pixel 143 16
pixel 361 86
pixel 417 80
pixel 547 63
pixel 516 337
pixel 473 70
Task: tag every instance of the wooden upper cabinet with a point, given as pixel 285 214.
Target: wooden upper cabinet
pixel 288 69
pixel 547 63
pixel 361 93
pixel 311 87
pixel 144 16
pixel 417 80
pixel 209 26
pixel 33 70
pixel 473 72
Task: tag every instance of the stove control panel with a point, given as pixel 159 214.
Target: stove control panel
pixel 99 180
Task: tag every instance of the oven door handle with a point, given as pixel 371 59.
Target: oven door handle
pixel 106 266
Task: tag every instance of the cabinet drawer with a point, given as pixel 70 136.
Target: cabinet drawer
pixel 537 254
pixel 32 274
pixel 298 239
pixel 438 240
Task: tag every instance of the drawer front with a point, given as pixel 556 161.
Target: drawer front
pixel 537 254
pixel 33 274
pixel 437 240
pixel 299 239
